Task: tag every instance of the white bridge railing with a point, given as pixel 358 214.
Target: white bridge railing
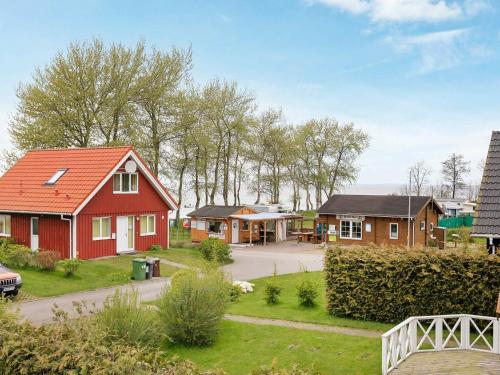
pixel 437 333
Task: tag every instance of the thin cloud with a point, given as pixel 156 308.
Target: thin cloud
pixel 409 10
pixel 440 50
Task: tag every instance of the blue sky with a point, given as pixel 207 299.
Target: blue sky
pixel 422 77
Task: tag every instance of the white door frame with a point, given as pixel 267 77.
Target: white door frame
pixel 235 232
pixel 34 239
pixel 118 243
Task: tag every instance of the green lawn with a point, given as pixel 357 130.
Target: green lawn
pixel 189 256
pixel 92 274
pixel 241 348
pixel 253 304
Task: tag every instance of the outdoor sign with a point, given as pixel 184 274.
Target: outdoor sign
pixel 186 223
pixel 332 238
pixel 350 218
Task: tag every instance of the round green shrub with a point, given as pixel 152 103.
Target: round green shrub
pixel 70 266
pixel 272 292
pixel 190 311
pixel 214 249
pixel 307 293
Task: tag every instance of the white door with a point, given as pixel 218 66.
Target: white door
pixel 124 234
pixel 34 233
pixel 235 232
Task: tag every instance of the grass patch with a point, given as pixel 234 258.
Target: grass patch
pixel 241 348
pixel 92 274
pixel 188 256
pixel 288 308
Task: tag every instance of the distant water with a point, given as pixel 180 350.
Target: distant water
pixel 286 193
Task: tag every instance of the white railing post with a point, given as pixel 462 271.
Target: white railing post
pixel 413 335
pixel 402 339
pixel 464 332
pixel 394 348
pixel 384 355
pixel 439 333
pixel 496 336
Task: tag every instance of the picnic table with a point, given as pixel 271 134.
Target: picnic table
pixel 303 236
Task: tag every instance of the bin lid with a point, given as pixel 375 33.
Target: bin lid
pixel 139 260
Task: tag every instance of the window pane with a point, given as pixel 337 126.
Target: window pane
pixel 144 224
pixel 394 231
pixel 345 230
pixel 7 224
pixel 96 230
pixel 106 227
pixel 356 229
pixel 34 227
pixel 125 182
pixel 116 182
pixel 2 224
pixel 133 182
pixel 151 224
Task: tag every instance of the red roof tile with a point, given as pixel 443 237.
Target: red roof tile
pixel 23 188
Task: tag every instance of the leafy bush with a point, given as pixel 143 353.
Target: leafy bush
pixel 391 284
pixel 15 255
pixel 234 292
pixel 123 318
pixel 20 257
pixel 47 260
pixel 74 347
pixel 307 292
pixel 272 292
pixel 191 310
pixel 70 266
pixel 217 250
pixel 155 248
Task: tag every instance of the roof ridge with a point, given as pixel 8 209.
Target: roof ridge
pixel 128 147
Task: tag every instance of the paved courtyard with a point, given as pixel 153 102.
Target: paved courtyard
pixel 249 263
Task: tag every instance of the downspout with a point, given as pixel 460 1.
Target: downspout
pixel 70 235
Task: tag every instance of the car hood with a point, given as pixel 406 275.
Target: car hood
pixel 5 273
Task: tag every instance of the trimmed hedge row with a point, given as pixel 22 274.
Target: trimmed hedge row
pixel 391 284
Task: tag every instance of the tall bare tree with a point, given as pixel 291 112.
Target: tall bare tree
pixel 420 174
pixel 453 170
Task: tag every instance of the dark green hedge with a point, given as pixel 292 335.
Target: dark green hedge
pixel 389 285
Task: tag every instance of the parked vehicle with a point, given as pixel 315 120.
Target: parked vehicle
pixel 10 282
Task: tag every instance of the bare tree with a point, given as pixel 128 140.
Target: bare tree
pixel 454 169
pixel 420 173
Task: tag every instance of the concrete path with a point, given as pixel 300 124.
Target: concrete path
pixel 249 263
pixel 304 326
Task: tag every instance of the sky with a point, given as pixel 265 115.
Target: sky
pixel 421 77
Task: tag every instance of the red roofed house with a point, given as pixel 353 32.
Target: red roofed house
pixel 84 202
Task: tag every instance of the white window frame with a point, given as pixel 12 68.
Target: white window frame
pixel 397 231
pixel 148 233
pixel 100 238
pixel 422 225
pixel 56 176
pixel 121 183
pixel 4 233
pixel 350 230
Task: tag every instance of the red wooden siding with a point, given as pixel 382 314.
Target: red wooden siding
pixel 107 204
pixel 53 233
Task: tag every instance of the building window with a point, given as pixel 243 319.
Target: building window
pixel 56 176
pixel 101 228
pixel 351 230
pixel 431 226
pixel 422 225
pixel 214 226
pixel 5 225
pixel 125 183
pixel 148 225
pixel 393 231
pixel 244 225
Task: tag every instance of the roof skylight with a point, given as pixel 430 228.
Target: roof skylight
pixel 56 176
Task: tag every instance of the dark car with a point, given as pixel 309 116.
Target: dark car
pixel 10 282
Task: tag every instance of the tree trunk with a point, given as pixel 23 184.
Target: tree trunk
pixel 179 192
pixel 216 175
pixel 197 177
pixel 259 168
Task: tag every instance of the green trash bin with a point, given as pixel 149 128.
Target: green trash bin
pixel 139 269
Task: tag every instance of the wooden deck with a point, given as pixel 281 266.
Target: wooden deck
pixel 460 362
